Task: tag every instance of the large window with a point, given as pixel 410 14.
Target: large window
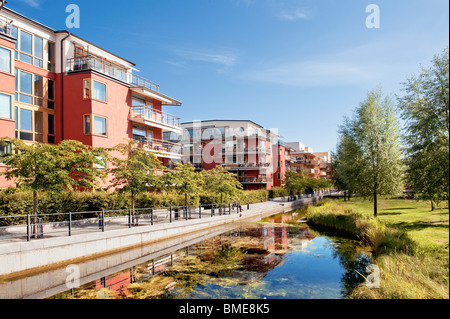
pixel 99 91
pixel 5 106
pixel 5 60
pixel 95 125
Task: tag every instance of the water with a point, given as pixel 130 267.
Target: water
pixel 277 257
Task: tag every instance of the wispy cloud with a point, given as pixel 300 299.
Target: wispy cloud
pixel 32 3
pixel 223 59
pixel 292 15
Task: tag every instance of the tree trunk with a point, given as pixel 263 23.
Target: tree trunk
pixel 345 196
pixel 375 208
pixel 432 206
pixel 35 213
pixel 185 200
pixel 221 199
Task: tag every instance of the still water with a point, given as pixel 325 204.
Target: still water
pixel 277 257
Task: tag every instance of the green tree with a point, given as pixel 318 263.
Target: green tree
pixel 425 109
pixel 184 180
pixel 294 182
pixel 219 180
pixel 42 167
pixel 369 152
pixel 134 170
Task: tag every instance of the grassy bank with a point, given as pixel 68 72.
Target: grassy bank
pixel 408 241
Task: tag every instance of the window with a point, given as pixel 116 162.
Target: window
pixel 26 47
pixel 5 106
pixel 38 90
pixel 99 125
pixel 86 89
pixel 51 94
pixel 51 56
pixel 26 89
pixel 38 51
pixel 5 148
pixel 51 129
pixel 95 125
pixel 39 126
pixel 99 91
pixel 5 60
pixel 25 125
pixel 103 165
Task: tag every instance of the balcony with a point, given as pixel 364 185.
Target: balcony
pixel 148 116
pixel 254 180
pixel 247 166
pixel 6 27
pixel 164 148
pixel 90 62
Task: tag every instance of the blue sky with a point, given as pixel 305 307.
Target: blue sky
pixel 298 66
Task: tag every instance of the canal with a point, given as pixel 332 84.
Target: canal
pixel 276 257
pixel 280 256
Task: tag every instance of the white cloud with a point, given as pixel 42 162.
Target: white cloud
pixel 224 59
pixel 33 3
pixel 296 14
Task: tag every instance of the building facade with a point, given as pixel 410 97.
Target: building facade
pixel 57 86
pixel 243 147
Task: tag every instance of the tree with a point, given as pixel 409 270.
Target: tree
pixel 43 167
pixel 134 170
pixel 220 180
pixel 184 180
pixel 294 182
pixel 425 109
pixel 369 155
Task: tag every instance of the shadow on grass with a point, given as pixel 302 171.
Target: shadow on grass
pixel 416 226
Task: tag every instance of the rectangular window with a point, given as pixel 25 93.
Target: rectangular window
pixel 5 106
pixel 51 56
pixel 51 129
pixel 87 124
pixel 26 47
pixel 99 125
pixel 99 91
pixel 38 90
pixel 5 60
pixel 51 94
pixel 26 125
pixel 38 52
pixel 26 89
pixel 86 89
pixel 39 126
pixel 5 148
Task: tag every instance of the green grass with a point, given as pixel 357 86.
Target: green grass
pixel 409 244
pixel 426 227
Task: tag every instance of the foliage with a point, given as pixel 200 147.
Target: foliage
pixel 219 180
pixel 134 169
pixel 184 180
pixel 425 109
pixel 369 159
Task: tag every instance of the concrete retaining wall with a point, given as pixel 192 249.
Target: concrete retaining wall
pixel 16 258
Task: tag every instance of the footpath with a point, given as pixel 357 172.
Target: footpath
pixel 21 257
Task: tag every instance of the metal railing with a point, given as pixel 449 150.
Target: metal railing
pixel 90 62
pixel 154 115
pixel 156 145
pixel 42 226
pixel 254 180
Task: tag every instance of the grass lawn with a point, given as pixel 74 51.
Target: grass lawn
pixel 424 226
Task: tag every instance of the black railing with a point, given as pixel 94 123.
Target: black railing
pixel 31 227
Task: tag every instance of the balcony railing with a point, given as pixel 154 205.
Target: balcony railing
pixel 254 180
pixel 159 145
pixel 248 166
pixel 91 62
pixel 153 115
pixel 5 26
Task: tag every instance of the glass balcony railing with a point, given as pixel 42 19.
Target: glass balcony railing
pixel 90 62
pixel 6 27
pixel 156 116
pixel 254 180
pixel 157 145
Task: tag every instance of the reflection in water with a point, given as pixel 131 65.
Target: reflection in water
pixel 279 257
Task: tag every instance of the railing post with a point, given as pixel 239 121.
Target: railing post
pixel 229 209
pixel 103 221
pixel 28 227
pixel 212 210
pixel 129 217
pixel 70 224
pixel 170 214
pixel 200 211
pixel 186 211
pixel 151 216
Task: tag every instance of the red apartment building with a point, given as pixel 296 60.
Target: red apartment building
pixel 244 147
pixel 57 86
